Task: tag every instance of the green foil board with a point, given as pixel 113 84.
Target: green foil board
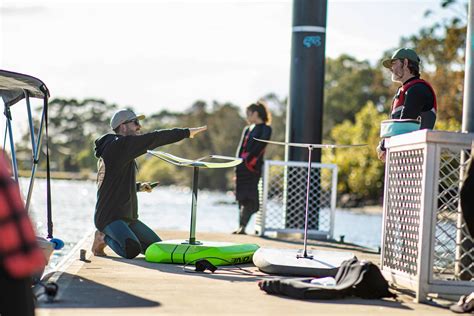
pixel 218 253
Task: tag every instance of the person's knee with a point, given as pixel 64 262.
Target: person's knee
pixel 132 248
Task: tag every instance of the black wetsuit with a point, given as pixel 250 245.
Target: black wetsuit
pixel 249 171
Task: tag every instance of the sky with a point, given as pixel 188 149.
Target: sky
pixel 158 54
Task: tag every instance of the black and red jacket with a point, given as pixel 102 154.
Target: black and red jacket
pixel 251 150
pixel 415 99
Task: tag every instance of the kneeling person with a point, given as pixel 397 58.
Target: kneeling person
pixel 116 212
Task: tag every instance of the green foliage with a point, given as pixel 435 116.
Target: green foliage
pixel 73 125
pixel 278 109
pixel 442 49
pixel 152 169
pixel 450 124
pixel 360 173
pixel 225 125
pixel 224 129
pixel 349 84
pixel 86 159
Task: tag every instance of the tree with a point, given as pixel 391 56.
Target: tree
pixel 73 127
pixel 442 49
pixel 224 129
pixel 277 108
pixel 225 124
pixel 360 173
pixel 349 84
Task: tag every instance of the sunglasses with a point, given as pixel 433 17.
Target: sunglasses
pixel 134 121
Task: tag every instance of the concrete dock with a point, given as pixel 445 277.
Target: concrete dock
pixel 115 286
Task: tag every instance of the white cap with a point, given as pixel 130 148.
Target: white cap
pixel 122 116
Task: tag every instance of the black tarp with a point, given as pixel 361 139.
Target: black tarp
pixel 354 278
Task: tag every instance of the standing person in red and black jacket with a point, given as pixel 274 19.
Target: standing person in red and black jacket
pixel 20 256
pixel 249 171
pixel 415 98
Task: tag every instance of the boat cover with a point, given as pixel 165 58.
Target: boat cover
pixel 13 85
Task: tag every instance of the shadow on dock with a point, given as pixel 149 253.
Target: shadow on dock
pixel 240 273
pixel 247 273
pixel 330 244
pixel 90 294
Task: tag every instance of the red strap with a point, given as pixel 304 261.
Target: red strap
pixel 252 163
pixel 401 93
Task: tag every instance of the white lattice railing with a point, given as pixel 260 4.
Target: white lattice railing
pixel 425 244
pixel 283 198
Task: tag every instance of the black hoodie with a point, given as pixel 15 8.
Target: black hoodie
pixel 117 192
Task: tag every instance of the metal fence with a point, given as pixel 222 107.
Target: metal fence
pixel 425 244
pixel 283 198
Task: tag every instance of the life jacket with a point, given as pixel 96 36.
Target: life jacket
pixel 251 164
pixel 399 99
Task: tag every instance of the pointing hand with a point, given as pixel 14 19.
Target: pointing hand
pixel 196 130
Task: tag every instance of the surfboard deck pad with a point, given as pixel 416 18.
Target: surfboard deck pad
pixel 286 262
pixel 218 253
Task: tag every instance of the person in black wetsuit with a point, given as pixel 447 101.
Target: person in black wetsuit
pixel 116 213
pixel 249 171
pixel 415 98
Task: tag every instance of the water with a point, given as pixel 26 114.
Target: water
pixel 166 208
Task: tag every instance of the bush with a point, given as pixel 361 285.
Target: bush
pixel 360 172
pixel 154 169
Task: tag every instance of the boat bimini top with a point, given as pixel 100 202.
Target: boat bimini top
pixel 15 87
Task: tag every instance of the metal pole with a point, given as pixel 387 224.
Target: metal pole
pixel 30 121
pixel 468 103
pixel 192 230
pixel 35 161
pixel 12 143
pixel 308 184
pixel 463 240
pixel 5 139
pixel 305 106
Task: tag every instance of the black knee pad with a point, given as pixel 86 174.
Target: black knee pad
pixel 132 248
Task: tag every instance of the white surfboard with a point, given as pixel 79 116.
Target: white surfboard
pixel 290 262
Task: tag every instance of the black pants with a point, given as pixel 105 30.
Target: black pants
pixel 16 296
pixel 247 208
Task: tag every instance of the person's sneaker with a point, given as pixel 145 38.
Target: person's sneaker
pixel 465 304
pixel 99 244
pixel 239 231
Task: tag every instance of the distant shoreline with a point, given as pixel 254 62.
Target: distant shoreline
pixel 59 175
pixel 368 209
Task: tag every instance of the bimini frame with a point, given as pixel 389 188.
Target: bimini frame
pixel 15 87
